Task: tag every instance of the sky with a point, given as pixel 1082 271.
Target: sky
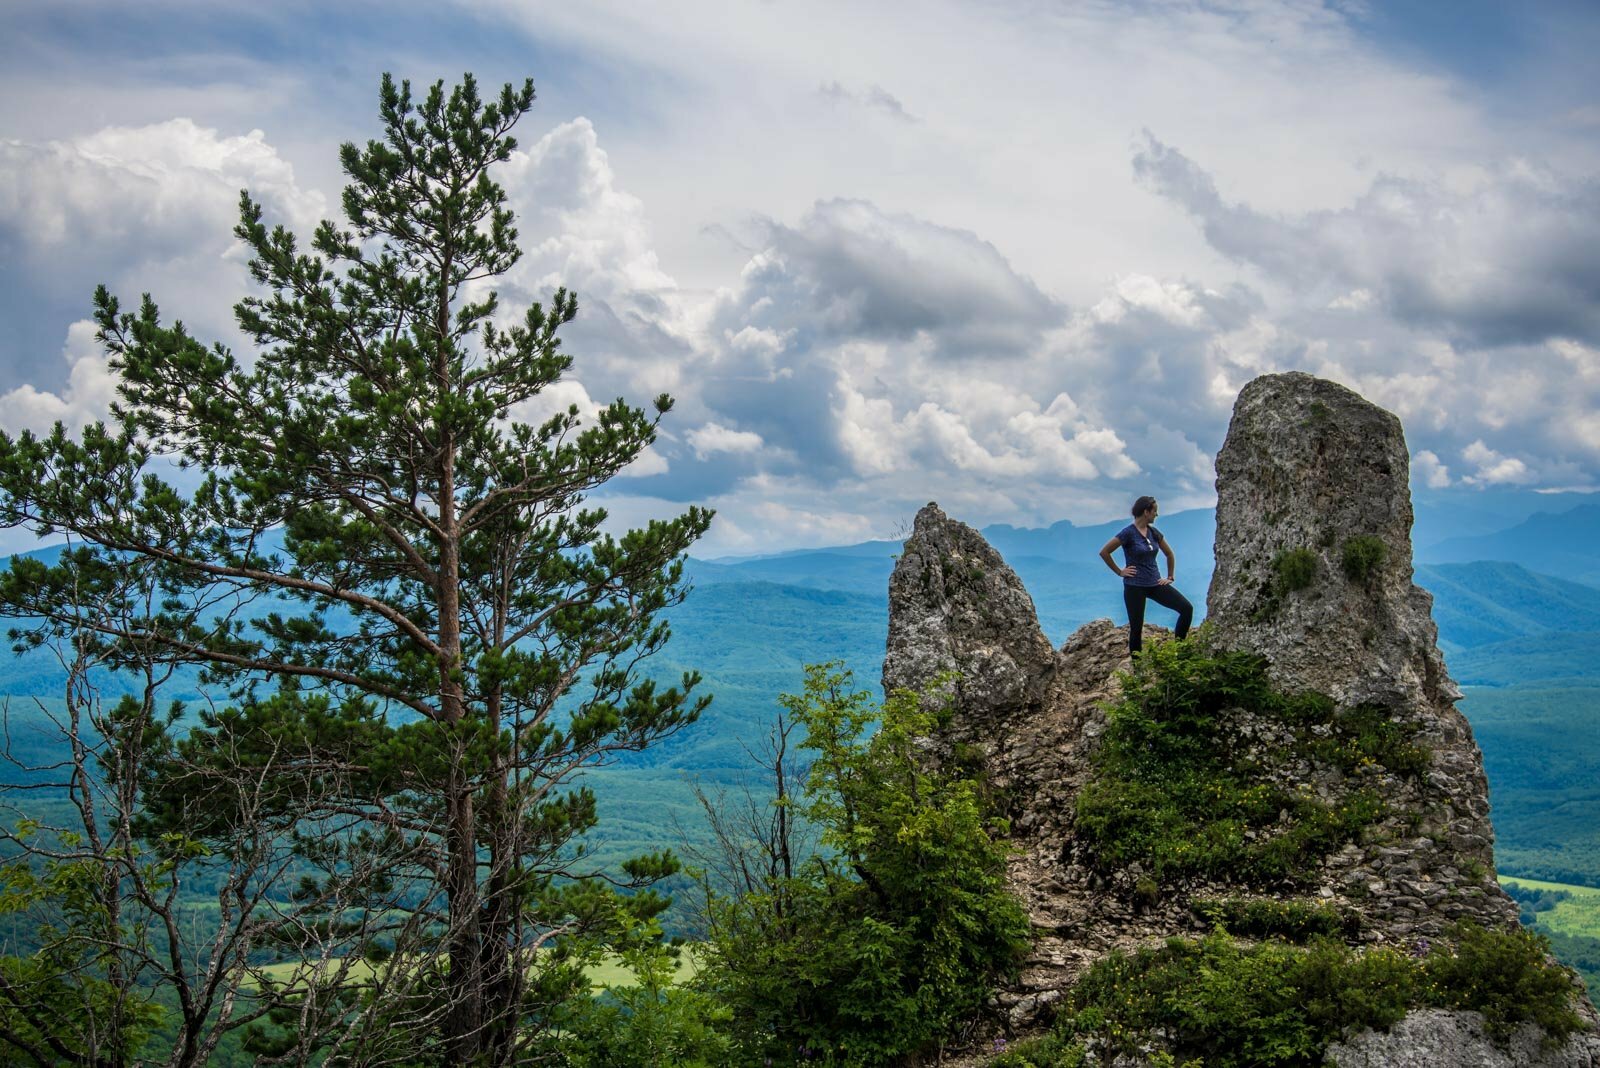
pixel 1014 256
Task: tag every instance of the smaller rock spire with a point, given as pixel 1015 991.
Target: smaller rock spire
pixel 954 604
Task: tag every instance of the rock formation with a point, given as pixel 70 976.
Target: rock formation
pixel 1313 573
pixel 1310 467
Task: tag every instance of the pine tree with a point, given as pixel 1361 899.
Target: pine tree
pixel 393 579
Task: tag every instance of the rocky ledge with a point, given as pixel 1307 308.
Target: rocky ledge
pixel 1313 576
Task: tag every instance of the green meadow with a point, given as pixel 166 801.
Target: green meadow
pixel 610 972
pixel 1578 914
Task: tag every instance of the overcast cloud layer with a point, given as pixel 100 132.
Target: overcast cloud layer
pixel 1018 259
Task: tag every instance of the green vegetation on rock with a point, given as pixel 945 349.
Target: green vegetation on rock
pixel 1291 570
pixel 1182 790
pixel 1289 919
pixel 1228 1004
pixel 1362 557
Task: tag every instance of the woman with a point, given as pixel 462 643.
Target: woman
pixel 1141 581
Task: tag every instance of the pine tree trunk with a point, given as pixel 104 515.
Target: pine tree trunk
pixel 464 1018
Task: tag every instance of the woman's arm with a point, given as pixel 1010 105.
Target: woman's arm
pixel 1105 554
pixel 1172 564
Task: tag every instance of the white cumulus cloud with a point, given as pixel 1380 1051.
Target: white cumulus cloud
pixel 714 438
pixel 1427 466
pixel 86 398
pixel 1492 467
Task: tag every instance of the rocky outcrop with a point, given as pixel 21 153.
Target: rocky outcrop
pixel 956 606
pixel 1311 470
pixel 1313 573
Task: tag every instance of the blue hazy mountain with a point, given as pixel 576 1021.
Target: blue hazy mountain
pixel 1487 602
pixel 1444 514
pixel 1557 543
pixel 1520 641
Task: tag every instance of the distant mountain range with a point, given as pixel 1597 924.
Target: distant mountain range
pixel 1554 543
pixel 1518 624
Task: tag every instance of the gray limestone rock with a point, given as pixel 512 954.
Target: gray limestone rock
pixel 1313 473
pixel 956 605
pixel 1313 470
pixel 1308 468
pixel 1439 1038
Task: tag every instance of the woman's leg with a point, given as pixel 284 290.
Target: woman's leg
pixel 1133 597
pixel 1169 597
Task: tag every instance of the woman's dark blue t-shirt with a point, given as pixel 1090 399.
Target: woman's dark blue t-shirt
pixel 1140 551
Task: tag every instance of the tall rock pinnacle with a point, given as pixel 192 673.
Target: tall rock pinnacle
pixel 1313 553
pixel 1314 574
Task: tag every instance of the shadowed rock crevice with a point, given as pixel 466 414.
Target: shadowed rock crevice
pixel 1314 576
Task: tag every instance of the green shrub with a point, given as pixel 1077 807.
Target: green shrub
pixel 651 1020
pixel 1211 998
pixel 1367 735
pixel 1174 791
pixel 1339 988
pixel 1293 570
pixel 880 945
pixel 1507 976
pixel 1047 1051
pixel 1292 921
pixel 1363 556
pixel 1229 1005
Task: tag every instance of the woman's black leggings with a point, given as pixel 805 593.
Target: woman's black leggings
pixel 1165 596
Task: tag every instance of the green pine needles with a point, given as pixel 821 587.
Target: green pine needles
pixel 415 629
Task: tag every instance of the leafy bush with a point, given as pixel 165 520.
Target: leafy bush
pixel 1507 976
pixel 1291 570
pixel 1363 555
pixel 1047 1051
pixel 883 943
pixel 1368 736
pixel 649 1021
pixel 1292 921
pixel 1175 791
pixel 1229 1005
pixel 1212 999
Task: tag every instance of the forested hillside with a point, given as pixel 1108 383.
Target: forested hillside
pixel 1519 642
